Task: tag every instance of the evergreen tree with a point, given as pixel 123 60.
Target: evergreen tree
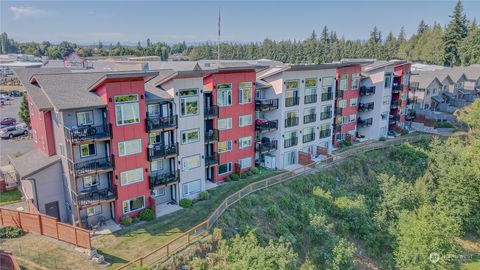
pixel 469 50
pixel 24 114
pixel 456 30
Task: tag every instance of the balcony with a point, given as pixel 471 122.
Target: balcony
pixel 395 104
pixel 265 125
pixel 211 135
pixel 392 119
pixel 339 93
pixel 366 107
pixel 93 196
pixel 309 118
pixel 325 133
pixel 211 159
pixel 162 178
pixel 326 115
pixel 338 111
pixel 161 123
pixel 308 137
pixel 88 133
pixel 156 151
pixel 266 146
pixel 310 99
pixel 327 96
pixel 291 101
pixel 367 91
pixel 290 142
pixel 364 122
pixel 265 105
pixel 93 166
pixel 397 88
pixel 211 112
pixel 291 122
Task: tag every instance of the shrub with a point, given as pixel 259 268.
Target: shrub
pixel 126 221
pixel 443 125
pixel 204 195
pixel 186 203
pixel 346 143
pixel 135 220
pixel 255 170
pixel 382 139
pixel 243 175
pixel 234 177
pixel 10 232
pixel 147 215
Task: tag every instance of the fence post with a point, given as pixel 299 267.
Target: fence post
pixel 1 217
pixel 40 224
pixel 19 220
pixel 188 238
pixel 141 261
pixel 168 249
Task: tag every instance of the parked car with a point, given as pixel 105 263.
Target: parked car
pixel 16 93
pixel 4 97
pixel 392 134
pixel 13 131
pixel 8 121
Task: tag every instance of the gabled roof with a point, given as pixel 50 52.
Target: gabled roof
pixel 424 79
pixel 33 162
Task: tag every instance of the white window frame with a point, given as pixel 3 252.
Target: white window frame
pixel 91 213
pixel 244 142
pixel 224 95
pixel 94 181
pixel 229 167
pixel 245 86
pixel 187 186
pixel 120 110
pixel 386 100
pixel 228 148
pixel 188 98
pixel 129 209
pixel 159 164
pixel 84 113
pixel 228 122
pixel 88 147
pixel 125 151
pixel 124 181
pixel 353 102
pixel 184 136
pixel 242 160
pixel 343 80
pixel 157 109
pixel 186 163
pixel 241 120
pixel 342 103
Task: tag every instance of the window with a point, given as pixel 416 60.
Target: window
pixel 289 158
pixel 153 110
pixel 355 80
pixel 292 84
pixel 353 117
pixel 90 211
pixel 327 83
pixel 85 118
pixel 245 120
pixel 225 146
pixel 159 191
pixel 131 176
pixel 343 82
pixel 90 180
pixel 225 123
pixel 309 111
pixel 131 147
pixel 190 136
pixel 133 204
pixel 310 91
pixel 384 115
pixel 386 100
pixel 307 131
pixel 156 165
pixel 244 142
pixel 353 102
pixel 224 168
pixel 342 103
pixel 189 163
pixel 224 94
pixel 87 150
pixel 191 187
pixel 388 80
pixel 310 83
pixel 127 110
pixel 188 102
pixel 290 134
pixel 245 92
pixel 245 163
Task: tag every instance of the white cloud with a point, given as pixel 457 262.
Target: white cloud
pixel 22 12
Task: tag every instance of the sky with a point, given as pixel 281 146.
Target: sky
pixel 88 22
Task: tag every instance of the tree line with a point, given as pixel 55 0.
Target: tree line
pixel 458 43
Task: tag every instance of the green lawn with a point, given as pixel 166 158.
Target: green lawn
pixel 474 264
pixel 9 197
pixel 137 240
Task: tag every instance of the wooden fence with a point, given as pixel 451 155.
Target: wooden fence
pixel 192 235
pixel 35 222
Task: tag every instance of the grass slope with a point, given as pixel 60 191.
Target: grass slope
pixel 9 197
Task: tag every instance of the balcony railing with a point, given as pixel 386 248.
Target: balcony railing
pixel 267 147
pixel 158 123
pixel 290 122
pixel 87 133
pixel 325 115
pixel 338 111
pixel 364 122
pixel 156 151
pixel 162 178
pixel 94 196
pixel 367 91
pixel 211 159
pixel 291 101
pixel 392 119
pixel 310 99
pixel 339 93
pixel 309 118
pixel 308 137
pixel 91 166
pixel 290 142
pixel 397 88
pixel 266 126
pixel 395 103
pixel 263 105
pixel 325 133
pixel 366 107
pixel 327 96
pixel 211 135
pixel 211 112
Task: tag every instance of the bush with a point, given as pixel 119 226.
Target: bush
pixel 126 221
pixel 234 177
pixel 255 170
pixel 10 232
pixel 346 143
pixel 186 203
pixel 443 125
pixel 243 175
pixel 382 139
pixel 135 220
pixel 204 195
pixel 147 215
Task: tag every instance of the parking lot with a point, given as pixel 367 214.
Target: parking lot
pixel 19 144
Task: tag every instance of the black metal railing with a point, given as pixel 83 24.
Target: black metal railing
pixel 395 103
pixel 211 135
pixel 365 107
pixel 339 93
pixel 211 111
pixel 162 151
pixel 291 121
pixel 367 91
pixel 91 166
pixel 161 122
pixel 327 96
pixel 211 159
pixel 324 133
pixel 266 104
pixel 267 147
pixel 162 178
pixel 93 196
pixel 393 118
pixel 364 122
pixel 310 99
pixel 292 101
pixel 266 126
pixel 309 118
pixel 290 142
pixel 338 111
pixel 87 133
pixel 325 115
pixel 308 137
pixel 397 88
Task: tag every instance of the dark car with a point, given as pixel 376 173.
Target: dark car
pixel 8 121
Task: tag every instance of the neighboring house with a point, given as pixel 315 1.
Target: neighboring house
pixel 424 86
